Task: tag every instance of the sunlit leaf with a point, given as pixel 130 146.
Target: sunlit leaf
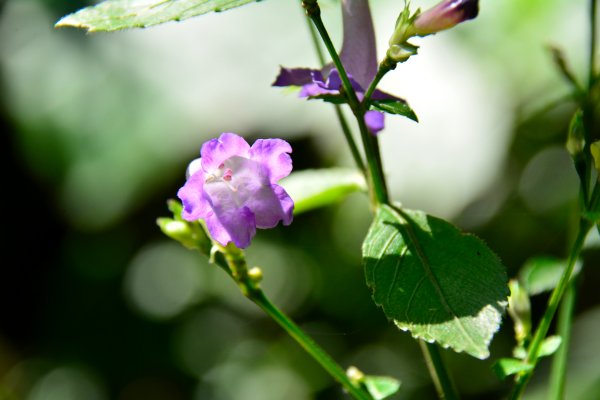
pixel 315 188
pixel 541 274
pixel 381 387
pixel 395 107
pixel 434 281
pixel 549 346
pixel 112 15
pixel 505 367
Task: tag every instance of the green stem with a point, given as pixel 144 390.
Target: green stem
pixel 559 364
pixel 233 261
pixel 557 294
pixel 377 180
pixel 384 67
pixel 309 345
pixel 338 110
pixel 435 364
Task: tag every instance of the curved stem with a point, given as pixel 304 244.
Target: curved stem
pixel 384 67
pixel 309 345
pixel 557 294
pixel 376 180
pixel 233 260
pixel 435 364
pixel 338 110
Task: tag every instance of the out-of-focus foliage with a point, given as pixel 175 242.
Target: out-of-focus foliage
pixel 98 131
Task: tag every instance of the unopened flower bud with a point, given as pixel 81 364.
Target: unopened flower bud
pixel 445 15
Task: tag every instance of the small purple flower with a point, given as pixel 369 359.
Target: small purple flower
pixel 233 187
pixel 359 57
pixel 445 15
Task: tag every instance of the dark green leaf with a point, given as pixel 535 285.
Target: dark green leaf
pixel 434 281
pixel 394 107
pixel 315 188
pixel 541 274
pixel 112 15
pixel 505 367
pixel 330 98
pixel 593 216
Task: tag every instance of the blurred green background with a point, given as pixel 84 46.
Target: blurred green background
pixel 97 131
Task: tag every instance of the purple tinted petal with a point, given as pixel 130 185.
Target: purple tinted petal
pixel 379 95
pixel 374 121
pixel 444 15
pixel 287 204
pixel 335 82
pixel 359 53
pixel 315 89
pixel 231 219
pixel 235 226
pixel 273 153
pixel 270 205
pixel 216 151
pixel 195 205
pixel 294 76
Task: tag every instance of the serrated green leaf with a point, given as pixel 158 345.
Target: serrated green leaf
pixel 434 281
pixel 113 15
pixel 381 387
pixel 395 107
pixel 541 274
pixel 315 188
pixel 505 367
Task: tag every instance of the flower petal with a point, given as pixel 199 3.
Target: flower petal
pixel 274 155
pixel 294 77
pixel 379 95
pixel 195 205
pixel 216 151
pixel 444 15
pixel 359 52
pixel 271 204
pixel 232 225
pixel 374 121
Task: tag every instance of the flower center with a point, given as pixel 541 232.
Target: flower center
pixel 221 174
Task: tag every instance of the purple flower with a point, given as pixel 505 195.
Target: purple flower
pixel 445 15
pixel 233 187
pixel 359 57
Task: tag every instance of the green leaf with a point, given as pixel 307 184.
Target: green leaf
pixel 330 98
pixel 505 367
pixel 434 281
pixel 395 107
pixel 549 346
pixel 381 387
pixel 315 188
pixel 519 309
pixel 592 216
pixel 541 274
pixel 112 15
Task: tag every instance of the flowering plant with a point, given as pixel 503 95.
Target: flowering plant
pixel 446 288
